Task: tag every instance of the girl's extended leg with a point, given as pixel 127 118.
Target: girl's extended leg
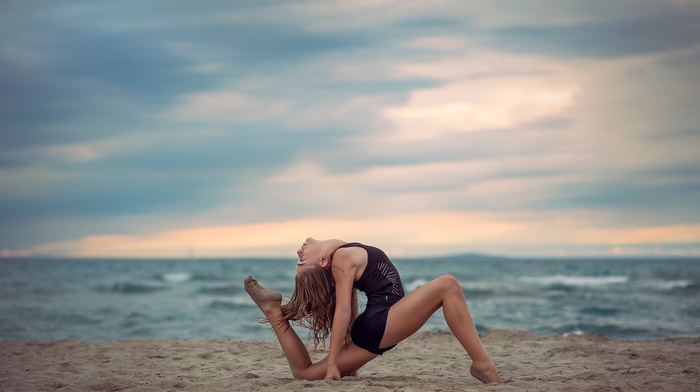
pixel 412 311
pixel 350 359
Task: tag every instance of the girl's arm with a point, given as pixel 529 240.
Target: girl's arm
pixel 344 269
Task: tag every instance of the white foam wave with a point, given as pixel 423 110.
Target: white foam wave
pixel 415 284
pixel 240 300
pixel 575 280
pixel 176 277
pixel 666 285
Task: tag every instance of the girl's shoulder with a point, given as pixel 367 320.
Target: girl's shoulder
pixel 351 260
pixel 350 254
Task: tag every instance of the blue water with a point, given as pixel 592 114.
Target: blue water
pixel 192 299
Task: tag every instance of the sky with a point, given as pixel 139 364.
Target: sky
pixel 233 129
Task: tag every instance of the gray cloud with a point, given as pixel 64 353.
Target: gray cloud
pixel 80 74
pixel 666 31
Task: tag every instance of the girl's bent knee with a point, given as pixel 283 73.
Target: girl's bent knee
pixel 450 283
pixel 449 280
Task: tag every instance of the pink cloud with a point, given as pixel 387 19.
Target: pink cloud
pixel 417 234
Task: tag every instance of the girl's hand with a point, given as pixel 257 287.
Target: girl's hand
pixel 332 373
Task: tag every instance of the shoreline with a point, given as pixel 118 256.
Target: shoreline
pixel 428 361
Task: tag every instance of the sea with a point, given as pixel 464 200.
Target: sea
pixel 100 299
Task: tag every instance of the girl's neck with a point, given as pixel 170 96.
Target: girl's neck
pixel 333 245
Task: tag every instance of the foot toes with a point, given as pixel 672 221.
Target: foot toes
pixel 258 293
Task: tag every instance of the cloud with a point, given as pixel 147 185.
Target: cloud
pixel 402 235
pixel 120 127
pixel 14 253
pixel 478 105
pixel 282 238
pixel 666 30
pixel 226 106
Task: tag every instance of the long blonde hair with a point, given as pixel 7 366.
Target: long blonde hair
pixel 312 304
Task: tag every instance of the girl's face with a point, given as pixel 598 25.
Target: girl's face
pixel 311 255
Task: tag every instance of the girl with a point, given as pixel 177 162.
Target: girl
pixel 325 300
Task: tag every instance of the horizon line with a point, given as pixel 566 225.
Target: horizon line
pixel 446 256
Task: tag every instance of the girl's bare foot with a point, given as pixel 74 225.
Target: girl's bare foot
pixel 489 375
pixel 260 295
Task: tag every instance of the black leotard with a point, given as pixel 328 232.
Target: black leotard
pixel 381 282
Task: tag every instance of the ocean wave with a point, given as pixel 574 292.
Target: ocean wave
pixel 556 294
pixel 221 290
pixel 598 311
pixel 667 285
pixel 470 290
pixel 130 288
pixel 134 318
pixel 241 300
pixel 611 330
pixel 230 305
pixel 477 293
pixel 141 333
pixel 208 277
pixel 8 330
pixel 176 277
pixel 560 282
pixel 46 316
pixel 597 296
pixel 693 311
pixel 71 318
pixel 412 286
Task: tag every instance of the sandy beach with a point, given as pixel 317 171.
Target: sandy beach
pixel 425 362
